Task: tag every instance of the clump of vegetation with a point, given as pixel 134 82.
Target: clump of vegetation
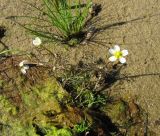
pixel 81 127
pixel 58 132
pixel 83 84
pixel 113 115
pixel 84 108
pixel 60 20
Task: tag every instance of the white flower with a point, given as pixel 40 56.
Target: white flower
pixel 117 54
pixel 24 67
pixel 37 41
pixel 21 63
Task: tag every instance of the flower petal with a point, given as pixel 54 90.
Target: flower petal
pixel 37 41
pixel 112 51
pixel 124 52
pixel 116 48
pixel 23 70
pixel 112 58
pixel 122 60
pixel 21 63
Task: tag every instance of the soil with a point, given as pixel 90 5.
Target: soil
pixel 134 25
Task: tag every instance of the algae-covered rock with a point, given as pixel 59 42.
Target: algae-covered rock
pixel 39 105
pixel 35 103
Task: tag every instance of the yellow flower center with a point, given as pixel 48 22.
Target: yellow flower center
pixel 118 54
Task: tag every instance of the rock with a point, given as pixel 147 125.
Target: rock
pixel 34 108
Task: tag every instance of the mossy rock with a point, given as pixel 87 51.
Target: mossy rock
pixel 43 105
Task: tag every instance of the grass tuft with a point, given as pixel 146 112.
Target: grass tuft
pixel 59 20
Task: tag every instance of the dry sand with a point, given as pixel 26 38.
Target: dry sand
pixel 133 24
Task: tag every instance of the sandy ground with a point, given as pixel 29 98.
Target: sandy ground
pixel 133 24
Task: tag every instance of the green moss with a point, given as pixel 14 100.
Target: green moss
pixel 81 127
pixel 48 93
pixel 58 132
pixel 19 129
pixel 11 123
pixel 6 107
